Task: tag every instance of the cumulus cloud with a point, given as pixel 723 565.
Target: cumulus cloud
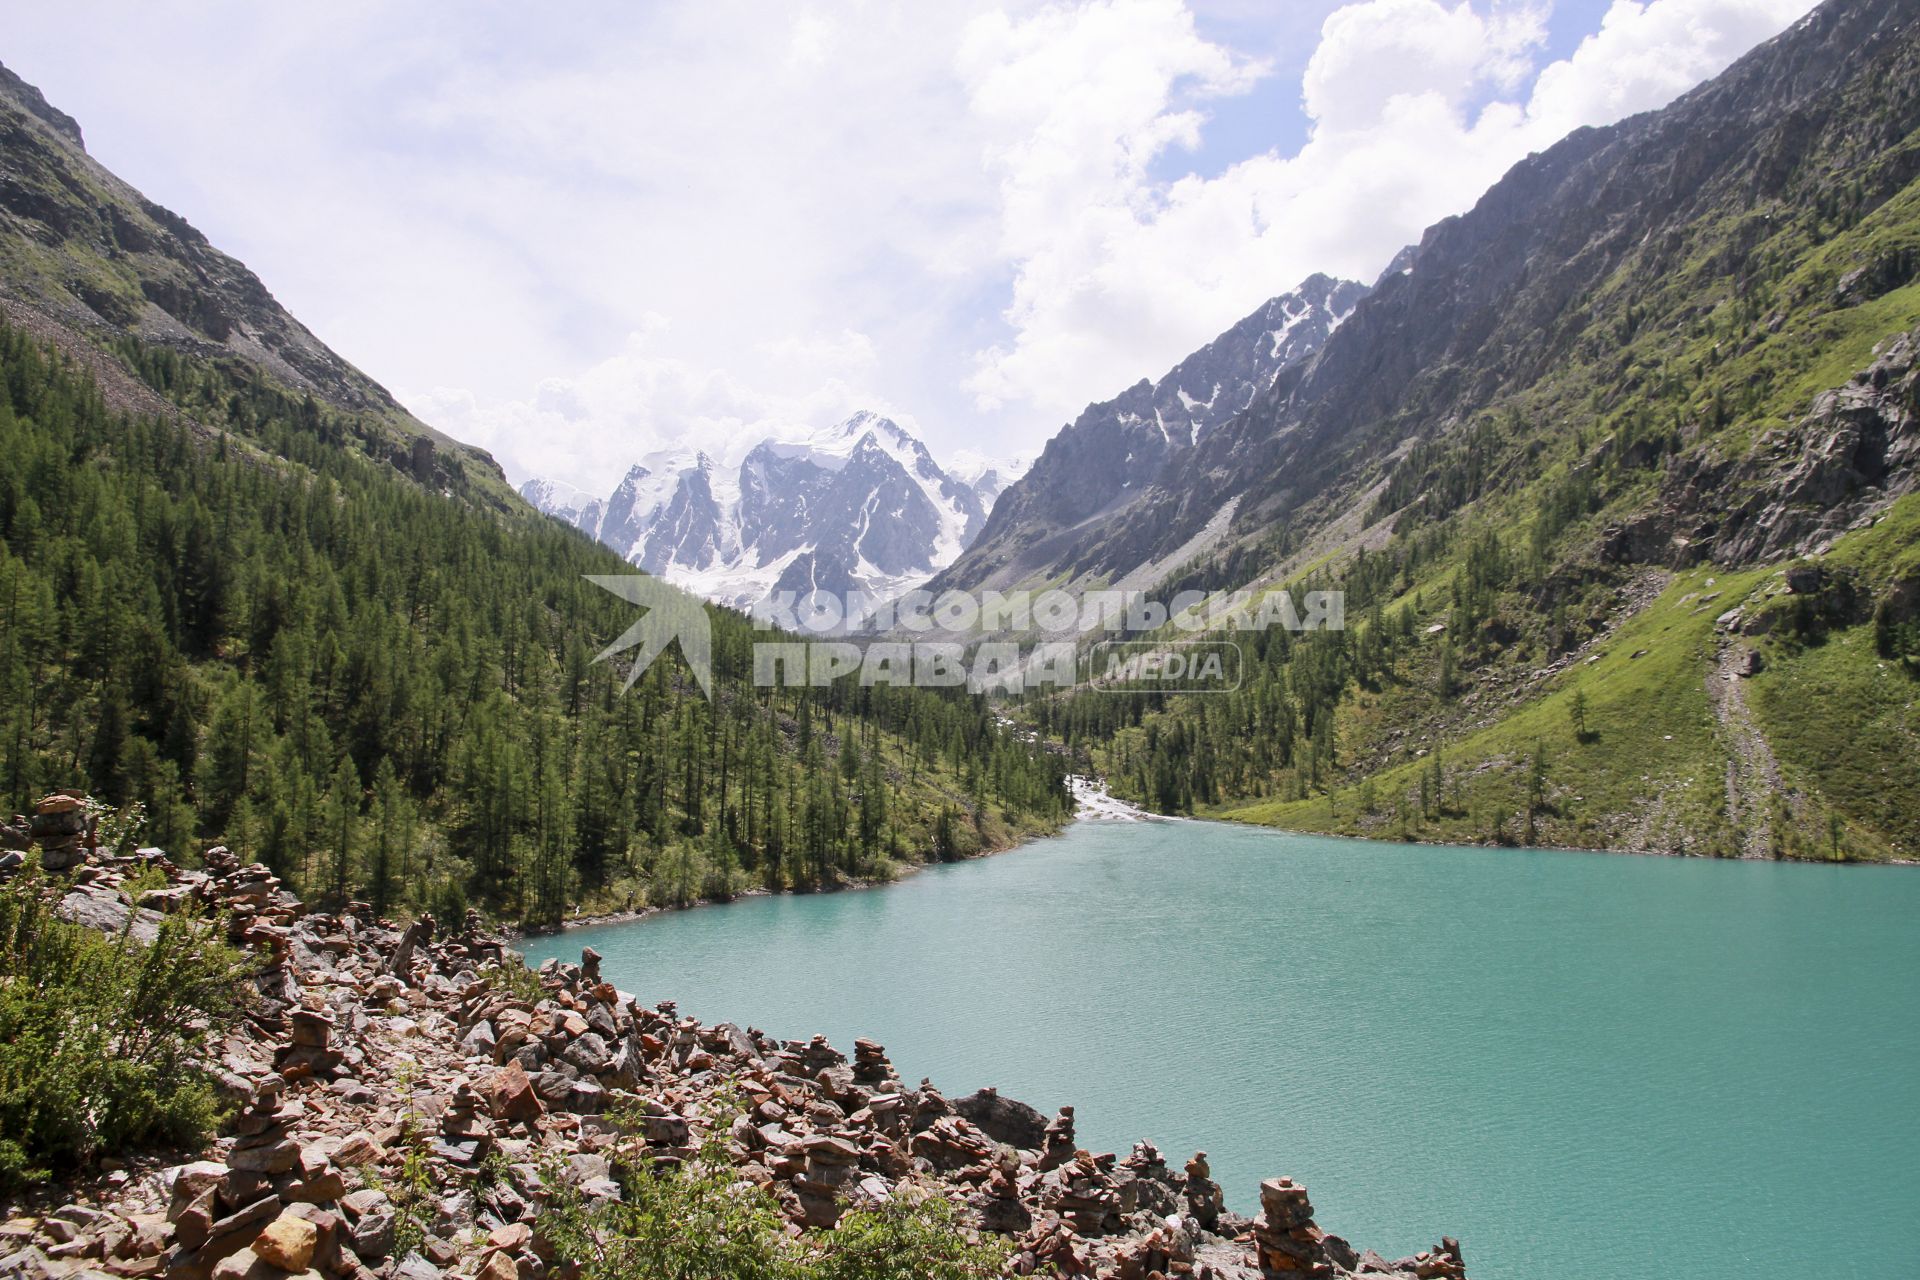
pixel 974 212
pixel 1417 106
pixel 590 428
pixel 1646 55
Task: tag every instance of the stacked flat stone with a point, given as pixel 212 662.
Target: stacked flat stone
pixel 310 1053
pixel 1059 1145
pixel 62 830
pixel 953 1146
pixel 1284 1235
pixel 16 837
pixel 1165 1250
pixel 1151 1182
pixel 998 1202
pixel 466 1135
pixel 870 1064
pixel 1053 1244
pixel 1084 1194
pixel 1205 1200
pixel 814 1057
pixel 829 1168
pixel 263 1144
pixel 1444 1263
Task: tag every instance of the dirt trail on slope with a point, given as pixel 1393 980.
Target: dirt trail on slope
pixel 1753 775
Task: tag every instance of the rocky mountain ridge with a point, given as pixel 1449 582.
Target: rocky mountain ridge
pixel 859 506
pixel 1117 449
pixel 409 1110
pixel 1616 473
pixel 1496 300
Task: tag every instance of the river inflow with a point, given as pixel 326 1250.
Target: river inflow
pixel 1585 1067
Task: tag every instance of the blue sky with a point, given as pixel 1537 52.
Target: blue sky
pixel 578 238
pixel 1269 114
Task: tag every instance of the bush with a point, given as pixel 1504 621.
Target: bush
pixel 703 1221
pixel 904 1240
pixel 101 1036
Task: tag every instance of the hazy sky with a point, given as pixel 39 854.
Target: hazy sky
pixel 577 236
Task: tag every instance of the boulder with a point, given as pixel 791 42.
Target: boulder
pixel 1003 1119
pixel 287 1242
pixel 510 1095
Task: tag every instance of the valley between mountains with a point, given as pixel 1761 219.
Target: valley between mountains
pixel 307 708
pixel 1613 471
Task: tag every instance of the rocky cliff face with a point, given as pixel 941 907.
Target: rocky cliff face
pixel 1798 488
pixel 85 258
pixel 1119 448
pixel 861 506
pixel 400 1109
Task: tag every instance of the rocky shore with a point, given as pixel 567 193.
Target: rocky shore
pixel 406 1096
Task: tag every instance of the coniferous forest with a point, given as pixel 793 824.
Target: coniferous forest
pixel 265 635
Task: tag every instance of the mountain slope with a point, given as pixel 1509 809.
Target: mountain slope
pixel 1542 270
pixel 1118 448
pixel 247 599
pixel 84 259
pixel 1621 461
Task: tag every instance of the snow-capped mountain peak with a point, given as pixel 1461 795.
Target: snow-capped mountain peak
pixel 559 499
pixel 861 505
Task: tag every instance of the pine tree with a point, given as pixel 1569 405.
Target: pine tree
pixel 343 815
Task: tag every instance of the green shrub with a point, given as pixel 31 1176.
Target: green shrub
pixel 101 1036
pixel 512 977
pixel 703 1221
pixel 905 1239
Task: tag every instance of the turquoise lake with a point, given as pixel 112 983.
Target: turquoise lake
pixel 1584 1066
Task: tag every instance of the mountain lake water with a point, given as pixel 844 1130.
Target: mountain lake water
pixel 1584 1066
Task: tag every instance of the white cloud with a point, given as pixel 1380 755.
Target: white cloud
pixel 1373 55
pixel 1123 277
pixel 589 429
pixel 960 210
pixel 1646 55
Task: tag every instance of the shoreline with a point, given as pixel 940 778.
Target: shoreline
pixel 1248 825
pixel 851 885
pixel 1111 813
pixel 1092 803
pixel 392 1103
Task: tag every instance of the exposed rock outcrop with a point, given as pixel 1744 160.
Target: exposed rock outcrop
pixel 1798 488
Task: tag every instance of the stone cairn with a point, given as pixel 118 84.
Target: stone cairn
pixel 870 1065
pixel 1146 1171
pixel 466 1134
pixel 299 1184
pixel 1205 1201
pixel 1288 1243
pixel 310 1052
pixel 1058 1146
pixel 60 826
pixel 262 1144
pixel 1083 1193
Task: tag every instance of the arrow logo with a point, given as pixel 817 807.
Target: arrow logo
pixel 671 615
